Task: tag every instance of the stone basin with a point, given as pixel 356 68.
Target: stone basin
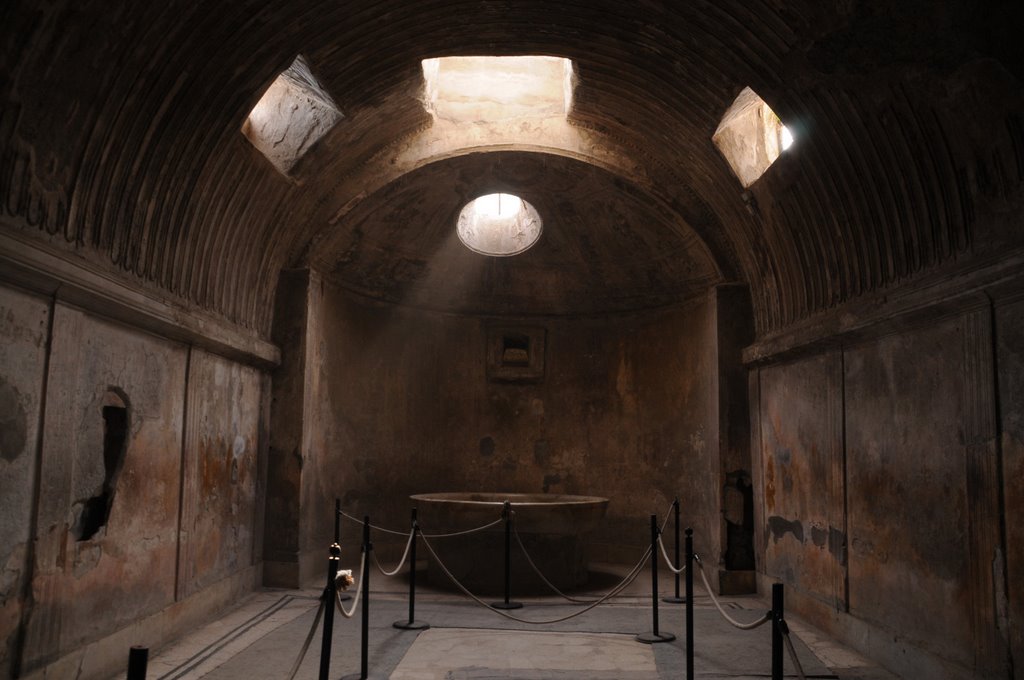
pixel 553 529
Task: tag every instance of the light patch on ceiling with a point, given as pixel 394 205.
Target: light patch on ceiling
pixel 494 89
pixel 751 137
pixel 499 225
pixel 294 113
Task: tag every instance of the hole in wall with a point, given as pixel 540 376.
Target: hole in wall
pixel 96 510
pixel 515 350
pixel 515 353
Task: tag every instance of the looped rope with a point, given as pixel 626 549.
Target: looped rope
pixel 372 526
pixel 742 626
pixel 359 590
pixel 401 562
pixel 403 533
pixel 668 516
pixel 309 639
pixel 630 577
pixel 668 562
pixel 467 531
pixel 529 560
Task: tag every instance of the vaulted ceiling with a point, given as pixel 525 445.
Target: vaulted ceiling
pixel 121 141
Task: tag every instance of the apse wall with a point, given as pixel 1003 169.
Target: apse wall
pixel 182 537
pixel 885 490
pixel 621 407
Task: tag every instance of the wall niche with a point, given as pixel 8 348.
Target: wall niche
pixel 515 353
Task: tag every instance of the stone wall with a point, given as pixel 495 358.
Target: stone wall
pixel 622 408
pixel 1009 336
pixel 160 519
pixel 879 491
pixel 24 326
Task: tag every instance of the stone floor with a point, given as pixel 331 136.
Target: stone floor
pixel 262 636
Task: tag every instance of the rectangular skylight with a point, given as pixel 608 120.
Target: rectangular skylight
pixel 488 89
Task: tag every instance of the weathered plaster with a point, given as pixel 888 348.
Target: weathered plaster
pixel 1010 361
pixel 24 333
pixel 893 438
pixel 132 559
pixel 218 506
pixel 155 569
pixel 803 531
pixel 623 410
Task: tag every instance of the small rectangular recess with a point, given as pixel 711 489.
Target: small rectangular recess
pixel 515 353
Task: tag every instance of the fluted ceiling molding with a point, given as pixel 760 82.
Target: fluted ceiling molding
pixel 120 134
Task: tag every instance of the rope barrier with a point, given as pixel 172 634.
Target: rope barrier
pixel 467 531
pixel 668 516
pixel 792 653
pixel 403 533
pixel 529 560
pixel 552 586
pixel 630 577
pixel 359 590
pixel 309 639
pixel 401 562
pixel 458 533
pixel 668 562
pixel 372 526
pixel 742 626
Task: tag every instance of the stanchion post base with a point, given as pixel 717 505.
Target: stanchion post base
pixel 507 605
pixel 672 599
pixel 411 625
pixel 652 638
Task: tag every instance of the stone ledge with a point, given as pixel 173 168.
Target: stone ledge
pixel 924 301
pixel 35 267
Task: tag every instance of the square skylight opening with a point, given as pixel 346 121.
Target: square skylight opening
pixel 492 89
pixel 294 114
pixel 751 137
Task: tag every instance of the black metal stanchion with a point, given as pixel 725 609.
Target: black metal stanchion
pixel 330 592
pixel 343 597
pixel 364 649
pixel 412 623
pixel 364 644
pixel 507 603
pixel 675 599
pixel 689 603
pixel 138 659
pixel 655 635
pixel 778 621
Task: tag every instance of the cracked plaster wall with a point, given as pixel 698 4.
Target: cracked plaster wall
pixel 60 598
pixel 23 335
pixel 623 410
pixel 879 487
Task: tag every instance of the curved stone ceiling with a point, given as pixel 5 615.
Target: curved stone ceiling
pixel 120 133
pixel 606 246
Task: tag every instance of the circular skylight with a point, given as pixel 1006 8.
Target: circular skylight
pixel 499 225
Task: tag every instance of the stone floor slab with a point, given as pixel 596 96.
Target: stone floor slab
pixel 263 635
pixel 446 654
